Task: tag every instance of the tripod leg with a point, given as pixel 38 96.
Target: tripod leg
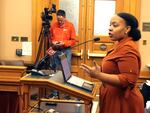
pixel 43 38
pixel 39 50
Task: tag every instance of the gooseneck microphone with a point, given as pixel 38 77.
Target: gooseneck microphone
pixel 46 57
pixel 94 40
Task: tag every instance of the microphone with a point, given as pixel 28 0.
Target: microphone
pixel 42 62
pixel 94 40
pixel 39 65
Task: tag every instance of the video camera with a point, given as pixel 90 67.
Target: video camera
pixel 47 16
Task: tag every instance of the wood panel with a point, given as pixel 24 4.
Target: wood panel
pixel 130 6
pixel 78 52
pixel 58 84
pixel 10 82
pixel 143 77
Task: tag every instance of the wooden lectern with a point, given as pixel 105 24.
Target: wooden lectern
pixel 57 82
pixel 11 88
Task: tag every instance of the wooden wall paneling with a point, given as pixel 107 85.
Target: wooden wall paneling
pixel 34 16
pixel 130 6
pixel 37 8
pixel 126 6
pixel 78 56
pixel 135 8
pixel 89 32
pixel 119 5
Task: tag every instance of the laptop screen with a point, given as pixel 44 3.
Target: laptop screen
pixel 65 67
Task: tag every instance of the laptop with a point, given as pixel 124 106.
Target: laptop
pixel 71 79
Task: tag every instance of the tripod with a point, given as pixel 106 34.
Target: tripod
pixel 43 39
pixel 44 35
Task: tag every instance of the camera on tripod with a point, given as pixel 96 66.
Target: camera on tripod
pixel 47 17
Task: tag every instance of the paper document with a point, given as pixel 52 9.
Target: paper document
pixel 27 48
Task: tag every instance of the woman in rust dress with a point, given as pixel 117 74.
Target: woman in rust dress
pixel 120 68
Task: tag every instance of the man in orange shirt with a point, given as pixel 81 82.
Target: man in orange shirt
pixel 62 38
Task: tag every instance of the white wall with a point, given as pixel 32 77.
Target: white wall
pixel 145 49
pixel 15 20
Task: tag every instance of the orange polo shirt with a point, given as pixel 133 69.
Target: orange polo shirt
pixel 66 33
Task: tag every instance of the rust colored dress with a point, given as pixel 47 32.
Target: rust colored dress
pixel 124 61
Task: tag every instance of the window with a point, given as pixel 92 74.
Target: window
pixel 71 8
pixel 104 10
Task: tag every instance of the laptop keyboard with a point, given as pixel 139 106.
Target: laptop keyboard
pixel 76 80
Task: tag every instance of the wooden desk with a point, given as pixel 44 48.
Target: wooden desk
pixel 10 81
pixel 143 77
pixel 57 82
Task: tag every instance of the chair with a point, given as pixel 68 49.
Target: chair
pixel 12 62
pixel 145 90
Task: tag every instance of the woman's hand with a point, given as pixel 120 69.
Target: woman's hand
pixel 95 72
pixel 92 71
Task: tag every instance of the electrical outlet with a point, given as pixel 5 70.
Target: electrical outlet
pixel 19 52
pixel 144 42
pixel 23 39
pixel 15 38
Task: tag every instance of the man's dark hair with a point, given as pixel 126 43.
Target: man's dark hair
pixel 61 12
